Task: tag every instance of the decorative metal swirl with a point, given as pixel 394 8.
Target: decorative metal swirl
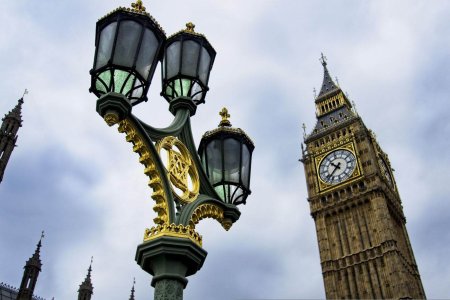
pixel 139 146
pixel 209 210
pixel 173 230
pixel 180 169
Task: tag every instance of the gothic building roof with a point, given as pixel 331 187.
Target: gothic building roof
pixel 333 119
pixel 8 292
pixel 87 283
pixel 328 85
pixel 16 112
pixel 35 260
pixel 330 113
pixel 132 291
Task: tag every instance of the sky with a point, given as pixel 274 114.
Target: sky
pixel 78 179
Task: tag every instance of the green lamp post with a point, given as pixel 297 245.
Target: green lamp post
pixel 187 185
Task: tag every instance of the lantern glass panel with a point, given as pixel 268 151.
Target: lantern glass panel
pixel 138 91
pixel 229 193
pixel 214 161
pixel 173 60
pixel 182 87
pixel 196 92
pixel 147 53
pixel 205 61
pixel 220 190
pixel 105 45
pixel 203 158
pixel 105 79
pixel 232 155
pixel 127 43
pixel 245 166
pixel 123 81
pixel 236 194
pixel 191 52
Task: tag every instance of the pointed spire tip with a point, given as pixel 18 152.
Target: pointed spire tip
pixel 323 59
pixel 90 266
pixel 328 84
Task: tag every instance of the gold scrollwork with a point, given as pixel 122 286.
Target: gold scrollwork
pixel 210 211
pixel 145 158
pixel 173 230
pixel 138 6
pixel 180 168
pixel 111 118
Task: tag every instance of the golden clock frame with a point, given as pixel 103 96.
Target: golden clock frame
pixel 357 173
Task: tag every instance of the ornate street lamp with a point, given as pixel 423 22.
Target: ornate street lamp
pixel 128 46
pixel 188 59
pixel 184 191
pixel 226 155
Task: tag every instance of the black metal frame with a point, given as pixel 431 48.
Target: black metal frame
pixel 182 108
pixel 182 37
pixel 222 135
pixel 169 258
pixel 146 21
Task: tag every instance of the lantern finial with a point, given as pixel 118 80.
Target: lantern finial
pixel 225 115
pixel 190 27
pixel 138 5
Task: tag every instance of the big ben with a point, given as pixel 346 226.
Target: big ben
pixel 363 243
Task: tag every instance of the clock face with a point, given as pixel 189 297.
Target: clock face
pixel 337 166
pixel 385 171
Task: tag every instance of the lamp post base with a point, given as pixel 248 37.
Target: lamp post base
pixel 168 289
pixel 170 260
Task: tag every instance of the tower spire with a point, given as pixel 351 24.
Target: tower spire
pixel 332 105
pixel 37 253
pixel 8 134
pixel 31 272
pixel 86 289
pixel 328 84
pixel 132 290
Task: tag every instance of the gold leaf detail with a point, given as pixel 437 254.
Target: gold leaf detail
pixel 111 118
pixel 145 158
pixel 209 211
pixel 190 27
pixel 173 230
pixel 181 169
pixel 138 6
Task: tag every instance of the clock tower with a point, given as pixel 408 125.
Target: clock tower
pixel 363 243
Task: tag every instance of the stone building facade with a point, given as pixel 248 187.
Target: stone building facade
pixel 364 246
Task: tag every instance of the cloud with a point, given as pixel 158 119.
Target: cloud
pixel 79 180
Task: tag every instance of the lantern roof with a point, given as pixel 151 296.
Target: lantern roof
pixel 190 30
pixel 136 8
pixel 225 128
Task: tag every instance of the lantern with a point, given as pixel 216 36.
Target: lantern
pixel 187 63
pixel 226 155
pixel 128 46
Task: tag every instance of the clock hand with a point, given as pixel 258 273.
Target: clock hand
pixel 335 168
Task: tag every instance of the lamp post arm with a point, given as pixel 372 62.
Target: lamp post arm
pixel 186 137
pixel 173 129
pixel 207 207
pixel 154 168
